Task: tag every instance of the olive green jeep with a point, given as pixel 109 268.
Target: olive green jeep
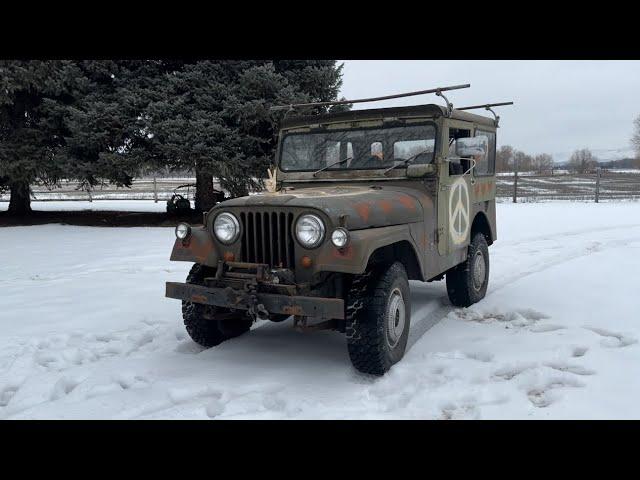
pixel 359 203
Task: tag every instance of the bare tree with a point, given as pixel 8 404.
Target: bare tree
pixel 582 161
pixel 504 159
pixel 635 140
pixel 543 163
pixel 524 162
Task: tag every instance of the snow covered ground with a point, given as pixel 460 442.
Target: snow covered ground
pixel 85 332
pixel 96 205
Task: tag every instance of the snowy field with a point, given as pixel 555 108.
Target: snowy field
pixel 85 332
pixel 96 205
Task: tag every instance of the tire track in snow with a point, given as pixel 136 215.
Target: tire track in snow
pixel 426 322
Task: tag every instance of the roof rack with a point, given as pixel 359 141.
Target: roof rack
pixel 487 106
pixel 438 91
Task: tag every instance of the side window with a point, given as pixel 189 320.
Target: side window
pixel 457 166
pixel 408 148
pixel 486 164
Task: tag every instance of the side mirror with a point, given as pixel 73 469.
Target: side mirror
pixel 420 169
pixel 471 147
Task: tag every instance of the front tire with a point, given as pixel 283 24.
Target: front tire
pixel 208 325
pixel 467 283
pixel 378 319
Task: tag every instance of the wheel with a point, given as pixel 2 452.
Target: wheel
pixel 467 282
pixel 377 319
pixel 205 323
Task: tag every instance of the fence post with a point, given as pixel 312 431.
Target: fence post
pixel 515 186
pixel 155 190
pixel 597 184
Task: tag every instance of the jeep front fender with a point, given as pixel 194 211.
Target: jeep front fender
pixel 363 243
pixel 199 248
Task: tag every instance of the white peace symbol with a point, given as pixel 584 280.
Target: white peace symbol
pixel 459 211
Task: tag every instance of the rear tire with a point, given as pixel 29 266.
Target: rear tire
pixel 377 319
pixel 467 283
pixel 200 320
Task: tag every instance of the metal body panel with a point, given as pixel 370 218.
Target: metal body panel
pixel 364 206
pixel 198 248
pixel 323 308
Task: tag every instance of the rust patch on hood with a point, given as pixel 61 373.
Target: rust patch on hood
pixel 407 201
pixel 386 206
pixel 363 210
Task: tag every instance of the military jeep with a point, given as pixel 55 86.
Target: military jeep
pixel 360 203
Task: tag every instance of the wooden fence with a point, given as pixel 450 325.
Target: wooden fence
pixel 609 185
pixel 595 187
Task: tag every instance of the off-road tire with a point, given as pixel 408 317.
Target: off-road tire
pixel 200 320
pixel 369 299
pixel 463 284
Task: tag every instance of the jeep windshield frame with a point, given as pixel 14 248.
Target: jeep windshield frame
pixel 307 150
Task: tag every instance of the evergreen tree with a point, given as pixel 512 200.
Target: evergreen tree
pixel 97 121
pixel 213 117
pixel 31 124
pixel 67 119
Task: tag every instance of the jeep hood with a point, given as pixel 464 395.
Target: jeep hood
pixel 365 206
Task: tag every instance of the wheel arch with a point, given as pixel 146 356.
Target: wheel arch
pixel 402 251
pixel 386 243
pixel 481 224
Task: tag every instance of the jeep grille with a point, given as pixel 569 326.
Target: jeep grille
pixel 266 238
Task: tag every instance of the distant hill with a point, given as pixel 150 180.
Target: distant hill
pixel 622 163
pixel 602 154
pixel 626 163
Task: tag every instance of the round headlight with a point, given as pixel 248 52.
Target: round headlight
pixel 226 227
pixel 340 237
pixel 310 231
pixel 183 230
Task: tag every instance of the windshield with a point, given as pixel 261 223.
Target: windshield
pixel 370 148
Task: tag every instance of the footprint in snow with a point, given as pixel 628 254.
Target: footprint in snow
pixel 484 357
pixel 613 339
pixel 575 369
pixel 64 387
pixel 546 328
pixel 7 393
pixel 519 318
pixel 579 351
pixel 511 371
pixel 547 394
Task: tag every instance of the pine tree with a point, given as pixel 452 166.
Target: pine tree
pixel 213 117
pixel 97 121
pixel 67 120
pixel 32 94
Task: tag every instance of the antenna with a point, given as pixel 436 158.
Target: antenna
pixel 488 106
pixel 438 91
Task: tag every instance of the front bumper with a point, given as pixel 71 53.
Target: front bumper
pixel 324 308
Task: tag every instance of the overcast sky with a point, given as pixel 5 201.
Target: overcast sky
pixel 559 105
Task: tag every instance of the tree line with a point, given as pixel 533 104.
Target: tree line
pixel 509 159
pixel 103 121
pixel 581 161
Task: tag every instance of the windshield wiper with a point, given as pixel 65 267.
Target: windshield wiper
pixel 332 165
pixel 406 161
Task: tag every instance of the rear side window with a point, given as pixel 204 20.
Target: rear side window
pixel 486 165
